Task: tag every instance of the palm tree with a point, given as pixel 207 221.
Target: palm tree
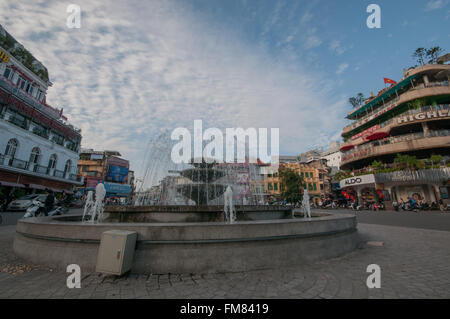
pixel 419 54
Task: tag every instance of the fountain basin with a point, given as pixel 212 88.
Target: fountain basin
pixel 198 247
pixel 189 214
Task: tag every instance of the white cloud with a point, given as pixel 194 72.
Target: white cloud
pixel 136 68
pixel 336 46
pixel 341 68
pixel 435 4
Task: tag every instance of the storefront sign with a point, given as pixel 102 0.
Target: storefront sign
pixel 422 116
pixel 358 180
pixel 117 189
pixel 3 56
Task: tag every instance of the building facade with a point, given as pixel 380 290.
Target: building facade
pixel 108 168
pixel 314 172
pixel 333 156
pixel 39 149
pixel 410 118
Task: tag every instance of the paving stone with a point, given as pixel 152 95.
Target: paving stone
pixel 415 263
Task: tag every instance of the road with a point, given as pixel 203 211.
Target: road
pixel 424 220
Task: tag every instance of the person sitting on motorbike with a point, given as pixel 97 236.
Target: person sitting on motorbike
pixel 412 203
pixel 49 202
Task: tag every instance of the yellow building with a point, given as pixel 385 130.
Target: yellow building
pixel 315 176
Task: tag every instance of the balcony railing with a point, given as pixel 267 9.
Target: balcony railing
pixel 36 168
pixel 17 163
pixel 371 146
pixel 435 175
pixel 19 122
pixel 41 169
pixel 370 116
pixel 41 133
pixel 58 173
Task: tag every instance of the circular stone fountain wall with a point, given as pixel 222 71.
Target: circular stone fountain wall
pixel 198 247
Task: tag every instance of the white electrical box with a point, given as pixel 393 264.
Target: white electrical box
pixel 116 252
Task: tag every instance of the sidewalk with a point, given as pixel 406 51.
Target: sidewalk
pixel 415 263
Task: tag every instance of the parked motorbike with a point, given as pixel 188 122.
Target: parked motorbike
pixel 35 209
pixel 38 209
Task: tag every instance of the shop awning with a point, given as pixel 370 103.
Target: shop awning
pixel 377 136
pixel 12 184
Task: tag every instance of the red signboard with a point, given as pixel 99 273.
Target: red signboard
pixel 366 132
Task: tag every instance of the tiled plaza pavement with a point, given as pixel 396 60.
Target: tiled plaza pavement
pixel 415 263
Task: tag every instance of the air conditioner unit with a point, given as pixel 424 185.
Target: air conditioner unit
pixel 116 252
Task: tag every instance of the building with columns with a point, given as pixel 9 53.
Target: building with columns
pixel 411 118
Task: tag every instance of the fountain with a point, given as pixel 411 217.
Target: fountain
pixel 190 218
pixel 203 186
pixel 228 207
pixel 305 204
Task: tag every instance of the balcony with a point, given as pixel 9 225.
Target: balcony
pixel 18 122
pixel 398 144
pixel 419 91
pixel 435 175
pixel 41 133
pixel 35 169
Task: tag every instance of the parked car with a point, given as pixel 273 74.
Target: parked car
pixel 24 202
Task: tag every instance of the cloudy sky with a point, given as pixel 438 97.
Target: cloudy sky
pixel 135 68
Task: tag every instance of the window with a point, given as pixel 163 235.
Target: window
pixel 17 119
pixel 58 139
pixel 275 186
pixel 310 187
pixel 21 82
pixel 35 155
pixel 7 73
pixel 52 161
pixel 311 174
pixel 315 186
pixel 68 167
pixel 307 175
pixel 270 186
pixel 11 148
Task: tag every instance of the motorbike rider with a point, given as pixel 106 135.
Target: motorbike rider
pixel 49 202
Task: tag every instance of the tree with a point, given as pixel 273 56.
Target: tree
pixel 376 165
pixel 407 161
pixel 433 54
pixel 357 100
pixel 292 191
pixel 435 159
pixel 419 55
